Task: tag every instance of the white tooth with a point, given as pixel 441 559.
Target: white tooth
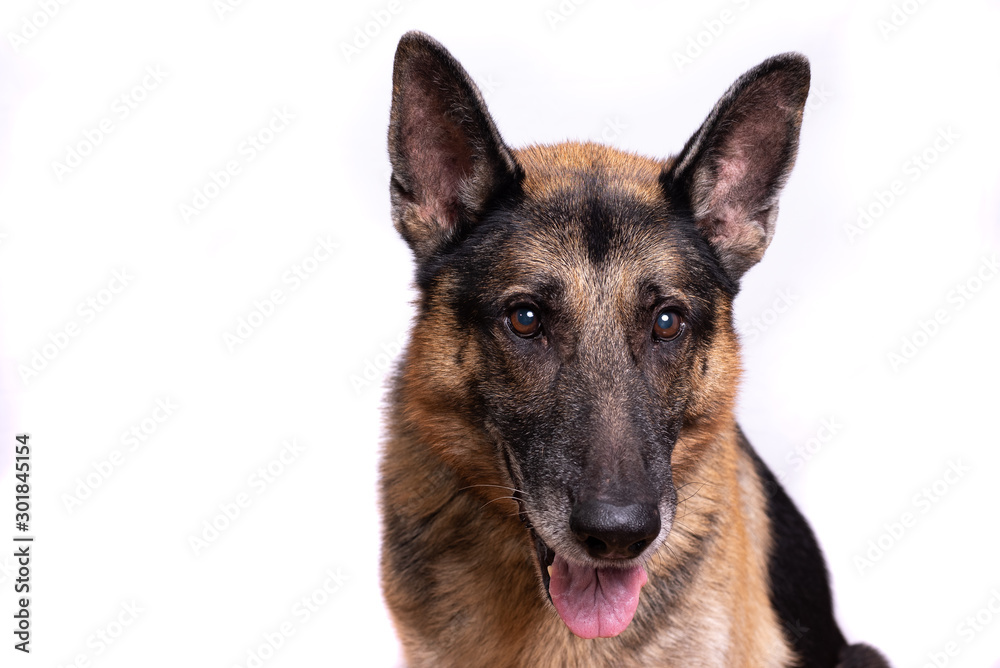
pixel 549 569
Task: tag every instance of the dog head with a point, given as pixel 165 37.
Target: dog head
pixel 574 342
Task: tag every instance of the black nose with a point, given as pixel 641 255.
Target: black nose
pixel 610 531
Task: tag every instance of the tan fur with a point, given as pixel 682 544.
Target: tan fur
pixel 551 168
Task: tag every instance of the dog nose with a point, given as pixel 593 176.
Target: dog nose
pixel 610 531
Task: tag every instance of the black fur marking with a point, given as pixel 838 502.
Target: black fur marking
pixel 800 589
pixel 862 656
pixel 599 225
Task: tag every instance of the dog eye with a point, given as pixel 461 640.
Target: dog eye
pixel 668 325
pixel 524 321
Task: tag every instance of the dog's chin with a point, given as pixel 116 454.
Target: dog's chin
pixel 593 601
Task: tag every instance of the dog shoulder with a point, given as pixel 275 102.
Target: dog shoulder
pixel 799 586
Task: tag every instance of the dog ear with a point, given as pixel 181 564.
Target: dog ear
pixel 448 160
pixel 732 170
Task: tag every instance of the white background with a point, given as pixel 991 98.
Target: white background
pixel 604 71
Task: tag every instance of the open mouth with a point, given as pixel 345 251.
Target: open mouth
pixel 594 602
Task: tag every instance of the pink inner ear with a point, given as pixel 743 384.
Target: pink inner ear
pixel 736 229
pixel 754 146
pixel 731 174
pixel 750 160
pixel 728 208
pixel 439 155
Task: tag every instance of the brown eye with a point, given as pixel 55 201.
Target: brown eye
pixel 524 321
pixel 668 324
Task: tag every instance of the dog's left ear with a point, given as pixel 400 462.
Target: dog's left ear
pixel 448 160
pixel 732 170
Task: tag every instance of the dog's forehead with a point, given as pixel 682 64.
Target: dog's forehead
pixel 558 170
pixel 593 215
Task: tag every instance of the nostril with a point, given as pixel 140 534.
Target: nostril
pixel 637 547
pixel 607 530
pixel 595 546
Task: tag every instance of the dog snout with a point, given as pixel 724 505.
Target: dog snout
pixel 610 531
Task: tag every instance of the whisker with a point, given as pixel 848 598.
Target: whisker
pixel 693 494
pixel 510 489
pixel 499 498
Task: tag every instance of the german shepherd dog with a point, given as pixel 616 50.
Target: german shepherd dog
pixel 564 482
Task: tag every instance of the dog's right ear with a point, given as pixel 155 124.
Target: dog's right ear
pixel 448 160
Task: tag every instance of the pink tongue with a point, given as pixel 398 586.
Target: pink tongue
pixel 595 602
